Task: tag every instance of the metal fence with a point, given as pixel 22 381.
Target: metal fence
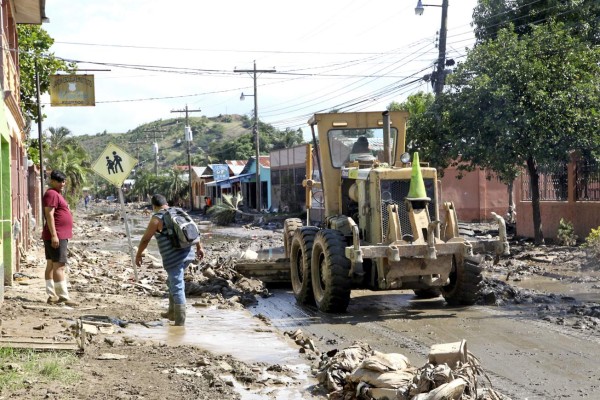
pixel 553 183
pixel 587 180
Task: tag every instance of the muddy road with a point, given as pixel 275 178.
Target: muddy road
pixel 525 357
pixel 535 338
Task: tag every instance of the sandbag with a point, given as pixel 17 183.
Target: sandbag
pixel 393 379
pixel 384 362
pixel 448 391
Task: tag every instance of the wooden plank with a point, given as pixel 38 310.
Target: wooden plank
pixel 37 344
pixel 267 271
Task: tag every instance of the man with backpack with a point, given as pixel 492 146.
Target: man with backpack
pixel 178 244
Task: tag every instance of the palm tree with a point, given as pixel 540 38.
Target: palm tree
pixel 72 160
pixel 145 183
pixel 176 188
pixel 59 137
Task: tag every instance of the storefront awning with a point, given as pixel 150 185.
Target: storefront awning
pixel 226 183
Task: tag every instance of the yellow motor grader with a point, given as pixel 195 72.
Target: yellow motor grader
pixel 380 228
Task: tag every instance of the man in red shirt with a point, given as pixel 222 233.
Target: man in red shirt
pixel 57 231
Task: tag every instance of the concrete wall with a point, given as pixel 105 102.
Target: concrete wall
pixel 474 196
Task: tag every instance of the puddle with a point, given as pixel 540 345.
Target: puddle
pixel 233 332
pixel 237 333
pixel 579 291
pixel 271 254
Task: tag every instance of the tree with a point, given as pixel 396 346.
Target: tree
pixel 422 129
pixel 285 139
pixel 524 100
pixel 59 137
pixel 580 17
pixel 72 159
pixel 34 43
pixel 240 149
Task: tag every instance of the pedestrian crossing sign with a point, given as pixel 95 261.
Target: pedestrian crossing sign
pixel 114 164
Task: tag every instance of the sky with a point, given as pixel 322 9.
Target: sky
pixel 155 57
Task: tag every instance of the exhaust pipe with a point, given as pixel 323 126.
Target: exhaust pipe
pixel 387 155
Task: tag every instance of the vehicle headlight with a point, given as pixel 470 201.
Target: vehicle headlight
pixel 405 158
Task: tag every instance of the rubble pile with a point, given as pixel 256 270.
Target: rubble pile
pixel 219 283
pixel 92 270
pixel 499 293
pixel 359 372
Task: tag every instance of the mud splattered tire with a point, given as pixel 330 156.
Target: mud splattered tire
pixel 430 293
pixel 289 227
pixel 465 278
pixel 301 245
pixel 329 270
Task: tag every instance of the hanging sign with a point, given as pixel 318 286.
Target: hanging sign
pixel 72 90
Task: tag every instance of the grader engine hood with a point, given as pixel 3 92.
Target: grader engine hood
pixel 374 189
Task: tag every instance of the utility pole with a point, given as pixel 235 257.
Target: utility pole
pixel 137 150
pixel 254 71
pixel 188 138
pixel 438 77
pixel 441 66
pixel 155 149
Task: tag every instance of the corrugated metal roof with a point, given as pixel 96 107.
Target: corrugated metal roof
pixel 265 161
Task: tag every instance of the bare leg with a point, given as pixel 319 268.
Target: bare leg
pixel 58 271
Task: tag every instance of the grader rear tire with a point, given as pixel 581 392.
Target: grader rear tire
pixel 464 283
pixel 330 270
pixel 300 255
pixel 289 227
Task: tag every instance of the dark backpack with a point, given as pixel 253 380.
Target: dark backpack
pixel 180 228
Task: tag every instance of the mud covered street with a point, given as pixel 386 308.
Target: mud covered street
pixel 535 329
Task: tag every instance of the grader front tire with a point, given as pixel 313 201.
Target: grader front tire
pixel 329 269
pixel 300 256
pixel 465 279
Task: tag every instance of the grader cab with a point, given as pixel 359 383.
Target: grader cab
pixel 381 228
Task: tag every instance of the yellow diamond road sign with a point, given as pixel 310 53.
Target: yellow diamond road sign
pixel 114 164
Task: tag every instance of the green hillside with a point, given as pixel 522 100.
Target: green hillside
pixel 208 132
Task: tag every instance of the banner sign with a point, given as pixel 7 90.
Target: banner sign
pixel 220 171
pixel 72 90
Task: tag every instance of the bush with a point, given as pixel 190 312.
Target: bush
pixel 566 234
pixel 592 243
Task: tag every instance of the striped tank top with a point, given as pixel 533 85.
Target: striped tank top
pixel 171 257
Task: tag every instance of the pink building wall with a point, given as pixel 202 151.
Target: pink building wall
pixel 474 196
pixel 584 215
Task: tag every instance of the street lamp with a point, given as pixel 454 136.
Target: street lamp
pixel 438 78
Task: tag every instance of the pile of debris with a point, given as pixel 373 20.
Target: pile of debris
pixel 95 266
pixel 219 283
pixel 359 372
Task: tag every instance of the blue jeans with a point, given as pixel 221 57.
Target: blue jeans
pixel 176 283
